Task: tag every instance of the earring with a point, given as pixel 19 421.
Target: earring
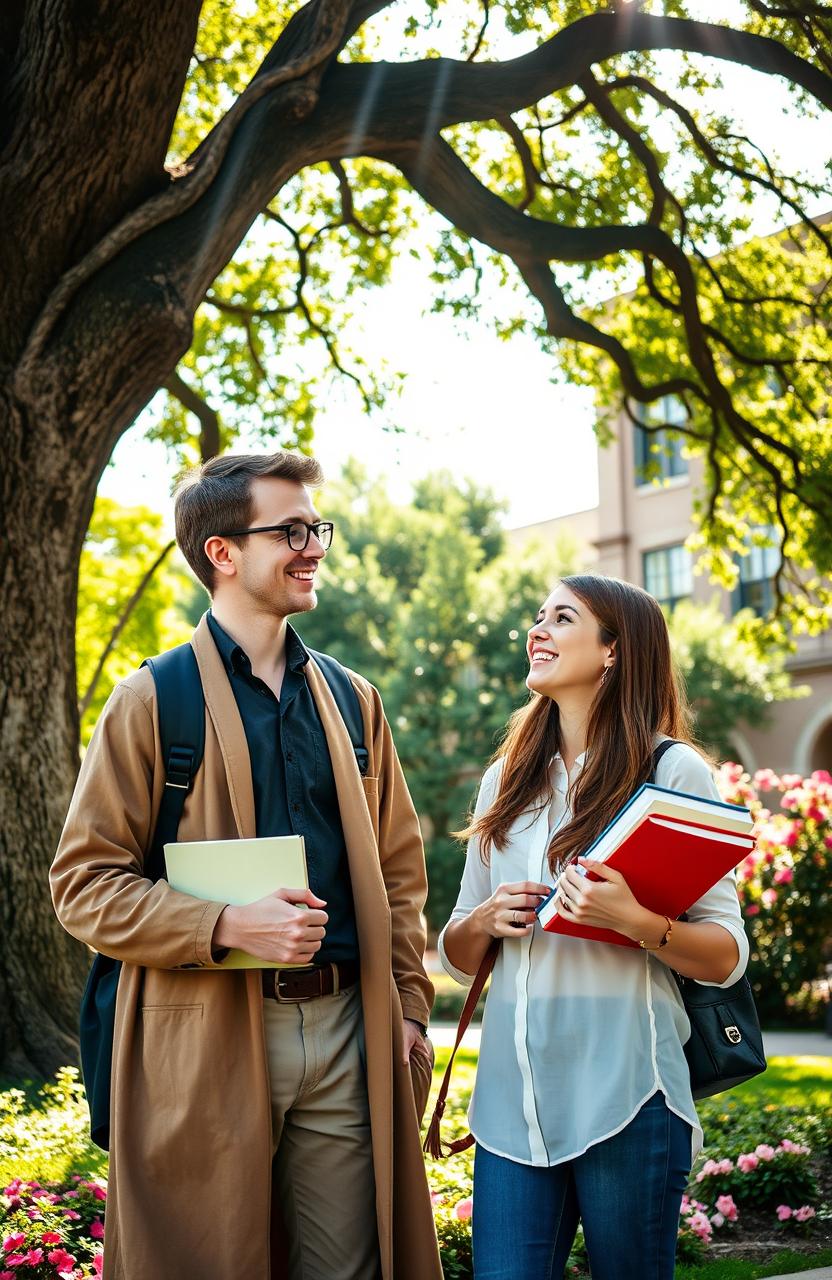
pixel 604 675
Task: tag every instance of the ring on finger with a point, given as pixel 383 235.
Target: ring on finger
pixel 514 917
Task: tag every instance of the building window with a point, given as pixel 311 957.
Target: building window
pixel 755 589
pixel 658 455
pixel 668 574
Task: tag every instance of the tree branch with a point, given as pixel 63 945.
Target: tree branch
pixel 487 14
pixel 126 614
pixel 194 178
pixel 209 419
pixel 451 188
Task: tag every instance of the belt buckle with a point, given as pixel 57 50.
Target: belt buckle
pixel 313 995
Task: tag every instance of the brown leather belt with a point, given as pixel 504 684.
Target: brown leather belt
pixel 291 986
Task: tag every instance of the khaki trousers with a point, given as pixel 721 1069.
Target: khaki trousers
pixel 321 1136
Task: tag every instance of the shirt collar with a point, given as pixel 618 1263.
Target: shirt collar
pixel 235 658
pixel 557 761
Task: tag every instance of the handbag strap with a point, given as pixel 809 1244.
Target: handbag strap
pixel 433 1139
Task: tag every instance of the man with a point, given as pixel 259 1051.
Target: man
pixel 212 1074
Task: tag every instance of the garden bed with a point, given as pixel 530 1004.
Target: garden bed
pixel 768 1145
pixel 775 1133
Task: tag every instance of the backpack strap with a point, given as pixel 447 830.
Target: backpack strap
pixel 346 699
pixel 658 752
pixel 180 702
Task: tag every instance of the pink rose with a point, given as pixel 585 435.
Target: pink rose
pixel 61 1260
pixel 747 1162
pixel 804 1213
pixel 97 1229
pixel 783 1212
pixel 717 1220
pixel 795 1147
pixel 7 1275
pixel 726 1206
pixel 764 1151
pixel 50 1237
pixel 34 1257
pixel 15 1259
pixel 769 897
pixel 784 876
pixel 753 910
pixel 98 1263
pixel 464 1208
pixel 72 1215
pixel 14 1241
pixel 700 1224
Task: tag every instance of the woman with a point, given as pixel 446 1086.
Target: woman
pixel 582 1106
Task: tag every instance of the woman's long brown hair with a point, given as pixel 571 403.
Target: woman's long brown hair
pixel 639 698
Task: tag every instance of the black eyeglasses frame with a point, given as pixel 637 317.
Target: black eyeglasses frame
pixel 316 529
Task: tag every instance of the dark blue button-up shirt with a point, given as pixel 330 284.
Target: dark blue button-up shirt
pixel 294 787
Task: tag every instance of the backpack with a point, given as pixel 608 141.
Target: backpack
pixel 181 706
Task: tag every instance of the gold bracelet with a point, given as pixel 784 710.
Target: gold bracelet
pixel 664 941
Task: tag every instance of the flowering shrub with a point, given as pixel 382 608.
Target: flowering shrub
pixel 52 1231
pixel 453 1230
pixel 795 1216
pixel 761 1178
pixel 785 884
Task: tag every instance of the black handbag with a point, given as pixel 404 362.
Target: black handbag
pixel 726 1045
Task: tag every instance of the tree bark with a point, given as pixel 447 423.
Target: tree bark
pixel 48 499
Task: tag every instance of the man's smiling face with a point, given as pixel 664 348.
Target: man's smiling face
pixel 277 579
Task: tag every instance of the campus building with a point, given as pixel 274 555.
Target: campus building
pixel 638 531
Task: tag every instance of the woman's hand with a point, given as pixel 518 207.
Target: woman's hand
pixel 607 903
pixel 509 912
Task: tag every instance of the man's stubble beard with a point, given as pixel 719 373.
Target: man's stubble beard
pixel 276 602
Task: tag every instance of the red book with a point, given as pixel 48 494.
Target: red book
pixel 667 862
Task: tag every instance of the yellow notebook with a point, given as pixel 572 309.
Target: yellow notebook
pixel 238 872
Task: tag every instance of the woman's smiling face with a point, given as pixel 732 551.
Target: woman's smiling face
pixel 564 647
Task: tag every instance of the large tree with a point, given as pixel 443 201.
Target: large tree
pixel 141 144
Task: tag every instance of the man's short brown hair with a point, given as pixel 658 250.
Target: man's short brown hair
pixel 217 496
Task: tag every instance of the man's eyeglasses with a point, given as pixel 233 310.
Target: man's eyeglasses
pixel 297 533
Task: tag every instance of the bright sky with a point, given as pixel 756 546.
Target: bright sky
pixel 474 404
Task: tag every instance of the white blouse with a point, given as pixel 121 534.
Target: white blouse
pixel 577 1034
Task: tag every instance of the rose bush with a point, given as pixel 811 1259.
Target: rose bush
pixel 52 1231
pixel 785 888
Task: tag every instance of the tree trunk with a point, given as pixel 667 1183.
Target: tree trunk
pixel 47 499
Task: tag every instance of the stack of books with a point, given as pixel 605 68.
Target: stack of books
pixel 671 848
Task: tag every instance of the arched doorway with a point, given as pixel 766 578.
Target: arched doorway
pixel 820 756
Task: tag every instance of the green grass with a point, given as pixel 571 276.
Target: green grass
pixel 790 1082
pixel 785 1263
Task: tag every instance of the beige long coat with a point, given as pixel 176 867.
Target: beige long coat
pixel 190 1169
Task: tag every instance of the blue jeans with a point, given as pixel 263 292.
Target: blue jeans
pixel 626 1191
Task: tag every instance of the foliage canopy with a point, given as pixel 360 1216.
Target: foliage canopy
pixel 594 192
